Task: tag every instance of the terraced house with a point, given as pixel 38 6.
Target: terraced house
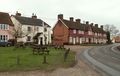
pixel 75 32
pixel 32 29
pixel 6 27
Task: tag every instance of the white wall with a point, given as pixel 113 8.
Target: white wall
pixel 33 32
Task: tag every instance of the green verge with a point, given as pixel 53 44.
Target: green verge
pixel 28 61
pixel 93 44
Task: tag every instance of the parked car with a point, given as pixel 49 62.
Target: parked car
pixel 5 44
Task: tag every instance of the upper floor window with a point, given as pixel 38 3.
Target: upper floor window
pixel 4 26
pixel 29 28
pixel 104 35
pixel 90 32
pixel 95 34
pixel 45 29
pixel 80 32
pixel 74 31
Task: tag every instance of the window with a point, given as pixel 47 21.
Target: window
pixel 3 38
pixel 45 29
pixel 95 34
pixel 77 39
pixel 89 32
pixel 4 26
pixel 83 39
pixel 29 29
pixel 70 39
pixel 104 35
pixel 28 38
pixel 74 31
pixel 80 32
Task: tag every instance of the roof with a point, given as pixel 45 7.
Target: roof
pixel 5 18
pixel 81 26
pixel 74 25
pixel 30 21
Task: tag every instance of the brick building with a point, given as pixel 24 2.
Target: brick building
pixel 75 32
pixel 116 39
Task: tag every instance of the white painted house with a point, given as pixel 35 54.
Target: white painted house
pixel 32 29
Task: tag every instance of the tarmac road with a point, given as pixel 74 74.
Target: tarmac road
pixel 105 58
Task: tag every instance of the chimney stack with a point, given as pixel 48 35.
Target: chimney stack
pixel 91 24
pixel 87 22
pixel 78 20
pixel 18 14
pixel 71 19
pixel 96 25
pixel 34 16
pixel 101 26
pixel 60 16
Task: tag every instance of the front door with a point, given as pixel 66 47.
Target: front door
pixel 89 40
pixel 41 41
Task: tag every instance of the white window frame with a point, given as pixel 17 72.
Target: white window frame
pixel 77 39
pixel 74 31
pixel 70 39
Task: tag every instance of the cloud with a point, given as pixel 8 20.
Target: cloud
pixel 97 11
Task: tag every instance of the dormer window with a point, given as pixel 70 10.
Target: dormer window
pixel 89 32
pixel 74 31
pixel 80 32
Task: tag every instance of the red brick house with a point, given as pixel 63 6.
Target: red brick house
pixel 75 32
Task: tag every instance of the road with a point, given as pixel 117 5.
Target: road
pixel 106 58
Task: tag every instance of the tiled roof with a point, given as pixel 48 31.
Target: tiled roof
pixel 30 21
pixel 5 18
pixel 74 25
pixel 81 26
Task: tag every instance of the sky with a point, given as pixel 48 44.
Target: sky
pixel 95 11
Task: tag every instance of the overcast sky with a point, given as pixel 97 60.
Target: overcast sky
pixel 96 11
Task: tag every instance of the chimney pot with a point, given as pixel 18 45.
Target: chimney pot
pixel 18 14
pixel 34 16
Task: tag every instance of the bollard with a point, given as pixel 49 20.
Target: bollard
pixel 18 60
pixel 44 59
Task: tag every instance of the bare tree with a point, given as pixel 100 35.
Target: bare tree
pixel 17 32
pixel 112 29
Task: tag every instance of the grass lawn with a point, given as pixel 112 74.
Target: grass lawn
pixel 28 61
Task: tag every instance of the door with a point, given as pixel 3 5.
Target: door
pixel 41 41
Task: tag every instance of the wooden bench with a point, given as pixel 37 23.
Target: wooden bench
pixel 40 49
